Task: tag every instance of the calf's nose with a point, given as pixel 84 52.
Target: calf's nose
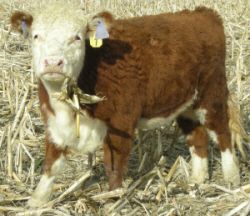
pixel 53 62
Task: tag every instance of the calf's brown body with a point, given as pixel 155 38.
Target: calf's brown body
pixel 151 69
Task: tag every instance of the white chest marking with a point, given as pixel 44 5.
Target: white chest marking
pixel 62 129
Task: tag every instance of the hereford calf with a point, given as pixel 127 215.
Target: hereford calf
pixel 151 69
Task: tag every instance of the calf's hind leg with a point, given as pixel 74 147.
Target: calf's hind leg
pixel 197 140
pixel 218 129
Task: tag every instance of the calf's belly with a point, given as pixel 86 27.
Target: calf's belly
pixel 161 121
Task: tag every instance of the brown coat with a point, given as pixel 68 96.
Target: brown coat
pixel 150 66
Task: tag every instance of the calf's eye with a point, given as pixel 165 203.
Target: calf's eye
pixel 35 36
pixel 77 38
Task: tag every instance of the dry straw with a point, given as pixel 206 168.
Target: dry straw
pixel 155 184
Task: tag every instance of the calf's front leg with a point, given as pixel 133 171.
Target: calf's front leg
pixel 53 164
pixel 117 147
pixel 116 153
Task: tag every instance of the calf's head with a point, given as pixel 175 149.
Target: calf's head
pixel 58 36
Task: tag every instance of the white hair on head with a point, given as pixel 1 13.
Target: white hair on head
pixel 56 11
pixel 58 44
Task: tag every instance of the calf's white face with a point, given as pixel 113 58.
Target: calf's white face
pixel 58 48
pixel 58 43
pixel 58 40
pixel 58 35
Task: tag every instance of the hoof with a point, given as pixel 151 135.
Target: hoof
pixel 42 193
pixel 115 181
pixel 232 177
pixel 198 179
pixel 35 203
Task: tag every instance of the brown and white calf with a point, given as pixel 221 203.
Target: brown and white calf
pixel 151 69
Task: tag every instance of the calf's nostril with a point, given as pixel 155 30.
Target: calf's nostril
pixel 60 63
pixel 46 63
pixel 53 62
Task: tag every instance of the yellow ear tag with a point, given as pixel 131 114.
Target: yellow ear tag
pixel 95 43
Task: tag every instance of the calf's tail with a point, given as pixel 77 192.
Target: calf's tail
pixel 239 137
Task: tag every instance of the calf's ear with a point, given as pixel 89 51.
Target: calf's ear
pixel 21 22
pixel 99 25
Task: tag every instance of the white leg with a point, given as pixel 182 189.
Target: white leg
pixel 230 168
pixel 199 167
pixel 44 188
pixel 43 191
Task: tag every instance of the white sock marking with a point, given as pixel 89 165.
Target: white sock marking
pixel 199 167
pixel 229 167
pixel 43 191
pixel 58 165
